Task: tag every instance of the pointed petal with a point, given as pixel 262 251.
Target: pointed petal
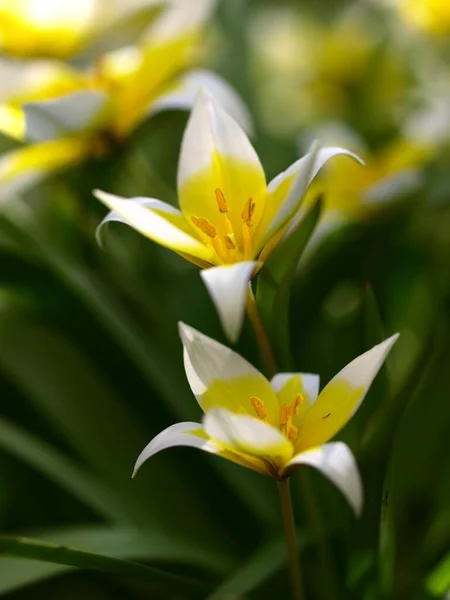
pixel 335 461
pixel 310 383
pixel 192 435
pixel 181 434
pixel 296 392
pixel 216 154
pixel 182 96
pixel 286 191
pixel 166 227
pixel 247 434
pixel 220 377
pixel 58 117
pixel 24 168
pixel 228 286
pixel 179 19
pixel 340 399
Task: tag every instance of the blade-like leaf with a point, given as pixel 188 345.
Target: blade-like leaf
pixel 438 582
pixel 33 549
pixel 260 566
pixel 275 280
pixel 116 542
pixel 59 468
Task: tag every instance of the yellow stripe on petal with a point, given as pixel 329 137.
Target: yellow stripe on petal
pixel 27 166
pixel 340 399
pixel 12 122
pixel 166 227
pixel 249 435
pixel 218 161
pixel 219 377
pixel 295 393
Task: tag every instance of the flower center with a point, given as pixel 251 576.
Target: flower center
pixel 226 246
pixel 286 415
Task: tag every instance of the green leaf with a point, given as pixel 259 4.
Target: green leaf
pixel 33 549
pixel 60 469
pixel 438 582
pixel 261 565
pixel 275 280
pixel 116 542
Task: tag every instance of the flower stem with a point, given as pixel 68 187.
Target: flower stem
pixel 265 348
pixel 291 539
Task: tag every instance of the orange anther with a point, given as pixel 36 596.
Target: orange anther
pixel 229 244
pixel 299 399
pixel 205 226
pixel 223 206
pixel 283 415
pixel 247 213
pixel 259 407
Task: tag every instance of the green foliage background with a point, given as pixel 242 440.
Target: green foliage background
pixel 91 370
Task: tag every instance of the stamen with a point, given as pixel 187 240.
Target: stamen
pixel 259 407
pixel 247 241
pixel 247 213
pixel 292 433
pixel 299 399
pixel 229 244
pixel 220 250
pixel 205 226
pixel 223 206
pixel 283 415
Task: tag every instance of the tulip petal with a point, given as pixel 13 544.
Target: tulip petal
pixel 310 383
pixel 27 82
pixel 182 96
pixel 247 434
pixel 58 117
pixel 228 287
pixel 340 399
pixel 179 19
pixel 219 377
pixel 297 392
pixel 216 154
pixel 27 166
pixel 181 434
pixel 336 461
pixel 161 223
pixel 286 190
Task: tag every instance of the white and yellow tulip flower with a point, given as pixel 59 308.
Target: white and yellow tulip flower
pixel 61 28
pixel 230 219
pixel 272 427
pixel 65 115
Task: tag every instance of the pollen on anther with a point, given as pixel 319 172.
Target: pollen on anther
pixel 299 399
pixel 205 226
pixel 283 415
pixel 259 407
pixel 229 244
pixel 292 433
pixel 247 213
pixel 223 206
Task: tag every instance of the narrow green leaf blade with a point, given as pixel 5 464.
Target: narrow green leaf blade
pixel 275 280
pixel 33 549
pixel 117 542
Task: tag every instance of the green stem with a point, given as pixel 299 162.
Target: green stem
pixel 265 349
pixel 291 539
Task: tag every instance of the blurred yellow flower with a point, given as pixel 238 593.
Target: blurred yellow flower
pixel 429 15
pixel 69 114
pixel 230 219
pixel 59 28
pixel 308 72
pixel 351 192
pixel 271 427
